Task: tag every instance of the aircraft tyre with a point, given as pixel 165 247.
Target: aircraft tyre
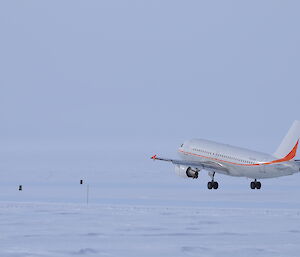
pixel 210 185
pixel 215 185
pixel 258 185
pixel 255 184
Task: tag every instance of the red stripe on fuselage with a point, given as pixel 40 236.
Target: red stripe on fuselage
pixel 288 157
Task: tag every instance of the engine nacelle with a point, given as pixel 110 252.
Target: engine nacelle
pixel 186 172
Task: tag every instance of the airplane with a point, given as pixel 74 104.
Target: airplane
pixel 199 154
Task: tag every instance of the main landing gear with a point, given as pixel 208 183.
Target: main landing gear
pixel 212 184
pixel 255 184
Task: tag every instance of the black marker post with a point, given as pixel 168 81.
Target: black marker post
pixel 87 191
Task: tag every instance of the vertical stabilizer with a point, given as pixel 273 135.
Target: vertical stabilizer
pixel 289 142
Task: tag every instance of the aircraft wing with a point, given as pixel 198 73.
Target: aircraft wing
pixel 208 165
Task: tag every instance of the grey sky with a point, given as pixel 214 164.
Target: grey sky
pixel 153 73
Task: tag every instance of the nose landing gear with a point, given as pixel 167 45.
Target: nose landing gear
pixel 255 184
pixel 212 184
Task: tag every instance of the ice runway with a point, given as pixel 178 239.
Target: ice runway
pixel 45 229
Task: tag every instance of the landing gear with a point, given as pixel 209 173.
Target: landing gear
pixel 212 184
pixel 255 184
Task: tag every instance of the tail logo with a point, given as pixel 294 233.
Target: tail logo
pixel 289 156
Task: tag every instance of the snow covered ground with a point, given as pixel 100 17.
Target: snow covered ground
pixel 45 229
pixel 154 214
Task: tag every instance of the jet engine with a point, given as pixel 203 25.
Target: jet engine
pixel 186 172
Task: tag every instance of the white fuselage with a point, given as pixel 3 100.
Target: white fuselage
pixel 238 161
